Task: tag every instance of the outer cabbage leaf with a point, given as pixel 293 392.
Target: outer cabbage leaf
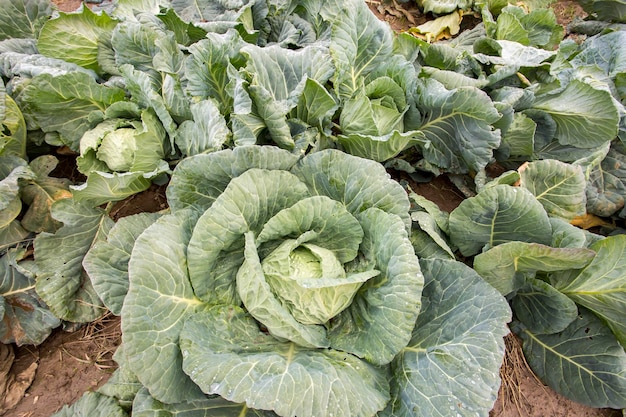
pixel 606 188
pixel 518 139
pixel 422 204
pixel 566 235
pixel 497 215
pixel 558 186
pixel 186 33
pixel 126 9
pixel 381 148
pixel 12 171
pixel 360 43
pixel 103 187
pixel 29 64
pixel 608 10
pixel 160 298
pixel 457 341
pixel 23 18
pixel 106 262
pixel 458 124
pixel 586 117
pixel 197 181
pixel 542 308
pixel 207 68
pixel 442 27
pixel 508 57
pixel 584 362
pixel 67 104
pixel 606 51
pixel 226 354
pixel 146 406
pixel 135 43
pixel 428 240
pixel 505 266
pixel 123 383
pixel 11 230
pixel 214 15
pixel 62 282
pixel 24 318
pixel 75 37
pixel 601 286
pixel 358 183
pixel 93 404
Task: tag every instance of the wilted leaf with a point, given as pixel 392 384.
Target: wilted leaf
pixel 24 318
pixel 13 383
pixel 41 193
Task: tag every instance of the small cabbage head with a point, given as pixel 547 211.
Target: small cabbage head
pixel 121 144
pixel 311 281
pixel 122 155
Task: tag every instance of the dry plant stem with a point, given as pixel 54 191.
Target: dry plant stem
pixel 98 342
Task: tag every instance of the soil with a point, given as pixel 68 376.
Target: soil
pixel 68 363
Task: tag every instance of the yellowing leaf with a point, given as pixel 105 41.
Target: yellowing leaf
pixel 443 27
pixel 587 221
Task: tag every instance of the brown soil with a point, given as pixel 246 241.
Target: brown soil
pixel 70 363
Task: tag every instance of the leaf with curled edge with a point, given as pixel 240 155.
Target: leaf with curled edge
pixel 40 193
pixel 24 318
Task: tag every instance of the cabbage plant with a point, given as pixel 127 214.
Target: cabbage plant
pixel 305 266
pixel 290 285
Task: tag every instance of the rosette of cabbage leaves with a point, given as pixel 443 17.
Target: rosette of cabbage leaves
pixel 280 282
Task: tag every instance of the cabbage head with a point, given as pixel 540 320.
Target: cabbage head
pixel 122 155
pixel 286 284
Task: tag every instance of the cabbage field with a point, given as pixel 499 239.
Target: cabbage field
pixel 291 261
